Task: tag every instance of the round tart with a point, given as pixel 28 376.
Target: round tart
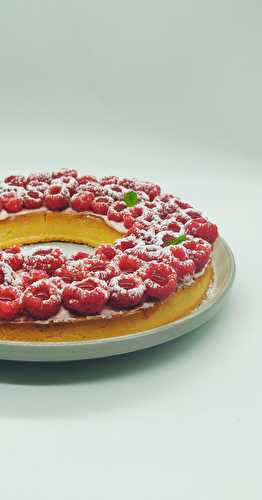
pixel 150 260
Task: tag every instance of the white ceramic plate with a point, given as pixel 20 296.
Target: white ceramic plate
pixel 224 265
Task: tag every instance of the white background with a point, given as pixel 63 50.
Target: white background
pixel 168 91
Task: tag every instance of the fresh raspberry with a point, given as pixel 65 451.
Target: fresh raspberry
pixel 164 210
pixel 106 252
pixel 147 253
pixel 14 260
pixel 205 230
pixel 127 242
pixel 69 273
pixel 128 221
pixel 85 179
pixel 69 182
pixel 116 192
pixel 199 251
pixel 127 291
pixel 165 237
pixel 184 268
pixel 166 198
pixel 31 277
pixel 115 211
pixel 182 204
pixel 10 302
pixel 152 190
pixel 160 280
pixel 112 179
pixel 33 199
pixel 86 297
pixel 56 252
pixel 16 180
pixel 100 204
pixel 12 202
pixel 182 218
pixel 128 263
pixel 178 251
pixel 45 260
pixel 44 178
pixel 37 186
pixel 193 214
pixel 82 201
pixel 170 225
pixel 57 197
pixel 127 183
pixel 93 188
pixel 80 255
pixel 42 299
pixel 7 275
pixel 136 211
pixel 100 268
pixel 13 249
pixel 66 172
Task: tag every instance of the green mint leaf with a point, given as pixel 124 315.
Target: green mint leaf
pixel 175 241
pixel 131 198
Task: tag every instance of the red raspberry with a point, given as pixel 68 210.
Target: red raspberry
pixel 80 255
pixel 42 299
pixel 30 277
pixel 69 182
pixel 170 225
pixel 66 172
pixel 192 213
pixel 93 188
pixel 14 260
pixel 182 204
pixel 115 211
pixel 183 268
pixel 106 252
pixel 109 180
pixel 152 190
pixel 178 251
pixel 164 237
pixel 128 263
pixel 33 199
pixel 100 204
pixel 16 180
pixel 57 197
pixel 85 179
pixel 13 249
pixel 128 242
pixel 167 209
pixel 128 221
pixel 55 251
pixel 116 192
pixel 160 280
pixel 45 259
pixel 7 275
pixel 166 198
pixel 136 211
pixel 183 218
pixel 100 268
pixel 82 202
pixel 147 253
pixel 12 202
pixel 86 297
pixel 69 273
pixel 10 302
pixel 127 291
pixel 37 186
pixel 199 251
pixel 127 183
pixel 205 230
pixel 44 178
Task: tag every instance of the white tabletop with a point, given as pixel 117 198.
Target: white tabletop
pixel 79 89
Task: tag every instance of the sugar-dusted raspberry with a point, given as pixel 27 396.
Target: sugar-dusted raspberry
pixel 128 220
pixel 200 229
pixel 160 280
pixel 106 252
pixel 112 179
pixel 170 225
pixel 128 242
pixel 85 179
pixel 147 253
pixel 80 255
pixel 86 297
pixel 42 299
pixel 193 214
pixel 36 185
pixel 100 268
pixel 66 172
pixel 82 201
pixel 56 252
pixel 12 201
pixel 182 217
pixel 177 251
pixel 127 183
pixel 151 189
pixel 7 275
pixel 33 199
pixel 199 251
pixel 166 198
pixel 57 197
pixel 164 238
pixel 128 263
pixel 32 276
pixel 115 191
pixel 11 305
pixel 14 260
pixel 182 204
pixel 44 259
pixel 16 180
pixel 93 188
pixel 116 211
pixel 164 210
pixel 42 177
pixel 184 268
pixel 100 204
pixel 69 273
pixel 13 249
pixel 69 182
pixel 126 291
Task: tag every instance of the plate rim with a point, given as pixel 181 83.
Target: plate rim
pixel 153 331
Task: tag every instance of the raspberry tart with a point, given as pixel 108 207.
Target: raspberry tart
pixel 148 261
